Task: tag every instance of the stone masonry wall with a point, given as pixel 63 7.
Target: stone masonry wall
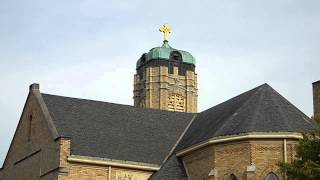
pixel 154 89
pixel 222 160
pixel 75 171
pixel 266 154
pixel 316 97
pixel 199 163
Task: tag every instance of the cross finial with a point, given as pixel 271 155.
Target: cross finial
pixel 166 30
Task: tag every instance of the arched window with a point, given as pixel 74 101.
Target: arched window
pixel 175 55
pixel 143 58
pixel 233 177
pixel 272 176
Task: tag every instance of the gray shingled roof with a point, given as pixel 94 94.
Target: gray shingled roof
pixel 113 131
pixel 121 132
pixel 261 109
pixel 172 169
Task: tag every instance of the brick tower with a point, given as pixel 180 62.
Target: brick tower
pixel 316 98
pixel 166 79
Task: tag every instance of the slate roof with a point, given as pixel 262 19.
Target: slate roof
pixel 172 169
pixel 261 109
pixel 114 131
pixel 122 132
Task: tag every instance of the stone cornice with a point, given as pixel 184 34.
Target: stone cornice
pixel 248 136
pixel 112 162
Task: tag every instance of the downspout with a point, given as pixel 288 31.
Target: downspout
pixel 109 173
pixel 285 150
pixel 285 154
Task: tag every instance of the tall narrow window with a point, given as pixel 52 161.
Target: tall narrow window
pixel 233 177
pixel 272 176
pixel 29 127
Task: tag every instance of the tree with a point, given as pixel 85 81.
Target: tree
pixel 306 166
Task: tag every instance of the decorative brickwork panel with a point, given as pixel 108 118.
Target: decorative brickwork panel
pixel 266 156
pixel 232 158
pixel 176 103
pixel 126 174
pixel 85 172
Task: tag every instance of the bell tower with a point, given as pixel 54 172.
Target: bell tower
pixel 165 78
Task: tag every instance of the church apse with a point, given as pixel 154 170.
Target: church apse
pixel 166 78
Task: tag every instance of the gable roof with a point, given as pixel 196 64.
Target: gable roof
pixel 261 109
pixel 122 132
pixel 114 131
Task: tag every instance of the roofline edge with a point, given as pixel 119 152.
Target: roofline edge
pixel 44 109
pixel 222 139
pixel 15 131
pixel 179 139
pixel 117 163
pixel 316 82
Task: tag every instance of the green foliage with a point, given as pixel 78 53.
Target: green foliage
pixel 306 166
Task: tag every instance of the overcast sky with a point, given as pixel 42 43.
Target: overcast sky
pixel 88 48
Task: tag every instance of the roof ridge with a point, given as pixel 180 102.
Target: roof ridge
pixel 234 97
pixel 294 107
pixel 254 115
pixel 83 99
pixel 252 111
pixel 254 93
pixel 178 140
pixel 280 109
pixel 117 104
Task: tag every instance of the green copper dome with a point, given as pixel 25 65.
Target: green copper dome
pixel 164 52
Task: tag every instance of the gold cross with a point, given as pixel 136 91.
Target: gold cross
pixel 166 30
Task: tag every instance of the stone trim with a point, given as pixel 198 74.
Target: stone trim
pixel 111 162
pixel 222 139
pixel 50 171
pixel 27 156
pixel 45 112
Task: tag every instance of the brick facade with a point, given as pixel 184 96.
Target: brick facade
pixel 36 153
pixel 90 171
pixel 33 152
pixel 157 86
pixel 222 160
pixel 316 97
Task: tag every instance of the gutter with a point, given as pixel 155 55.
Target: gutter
pixel 224 139
pixel 116 163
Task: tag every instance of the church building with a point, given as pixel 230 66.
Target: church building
pixel 161 137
